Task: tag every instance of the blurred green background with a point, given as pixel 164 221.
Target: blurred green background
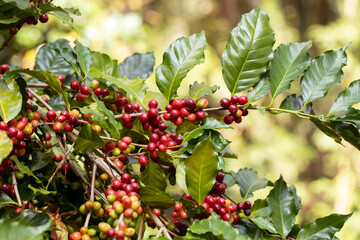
pixel 325 174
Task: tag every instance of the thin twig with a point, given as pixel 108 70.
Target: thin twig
pixel 14 183
pixel 160 232
pixel 8 40
pixel 37 85
pixel 141 226
pixel 39 98
pixel 157 221
pixel 91 194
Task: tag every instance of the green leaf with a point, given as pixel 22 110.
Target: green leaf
pixel 289 62
pixel 260 90
pixel 23 5
pixel 33 226
pixel 248 51
pixel 293 102
pixel 201 168
pixel 83 56
pixel 283 207
pixel 40 160
pixel 154 176
pixel 68 55
pixel 6 201
pixel 63 14
pixel 193 134
pixel 221 229
pixel 213 123
pixel 346 98
pixel 199 90
pixel 48 78
pixel 6 146
pixel 87 140
pixel 136 87
pixel 47 59
pixel 324 72
pixel 178 60
pixel 180 176
pixel 323 228
pixel 248 182
pixel 352 115
pixel 139 65
pixel 41 191
pixel 24 169
pixel 155 197
pixel 10 99
pixel 323 126
pixel 348 132
pixel 219 141
pixel 102 65
pixel 264 223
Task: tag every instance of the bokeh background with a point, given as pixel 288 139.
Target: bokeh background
pixel 325 174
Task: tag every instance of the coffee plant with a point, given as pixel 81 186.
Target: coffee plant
pixel 85 153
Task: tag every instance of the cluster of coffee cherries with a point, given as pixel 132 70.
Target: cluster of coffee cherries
pixel 44 18
pixel 179 109
pixel 235 113
pixel 123 199
pixel 6 188
pixel 64 121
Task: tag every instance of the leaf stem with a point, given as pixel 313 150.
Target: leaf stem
pixel 15 186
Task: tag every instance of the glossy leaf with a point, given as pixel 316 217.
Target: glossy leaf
pixel 201 168
pixel 248 182
pixel 180 176
pixel 24 169
pixel 260 90
pixel 87 140
pixel 136 87
pixel 33 225
pixel 221 229
pixel 293 102
pixel 154 176
pixel 323 126
pixel 283 207
pixel 193 134
pixel 48 78
pixel 23 5
pixel 83 56
pixel 248 51
pixel 347 98
pixel 213 123
pixel 289 62
pixel 47 59
pixel 324 72
pixel 199 90
pixel 178 60
pixel 6 146
pixel 155 197
pixel 68 55
pixel 63 14
pixel 347 131
pixel 10 100
pixel 6 201
pixel 139 65
pixel 323 228
pixel 352 115
pixel 103 64
pixel 219 141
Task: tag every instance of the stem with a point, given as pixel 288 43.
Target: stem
pixel 37 85
pixel 39 98
pixel 141 226
pixel 157 221
pixel 14 183
pixel 8 40
pixel 115 140
pixel 91 194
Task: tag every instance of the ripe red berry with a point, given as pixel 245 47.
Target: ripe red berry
pixel 234 99
pixel 98 91
pixel 228 119
pixel 247 205
pixel 200 115
pixel 169 108
pixel 153 104
pixel 178 207
pixel 175 214
pixel 151 147
pixel 125 178
pixel 3 126
pixel 57 127
pixel 178 121
pixel 187 196
pixel 233 109
pixel 74 85
pixel 126 117
pixel 61 118
pixel 144 117
pixel 109 146
pixel 51 115
pixel 240 206
pixel 116 184
pixel 68 127
pixel 153 112
pixel 220 177
pixel 190 104
pixel 219 188
pixel 80 97
pixel 57 157
pixel 44 18
pixel 61 78
pixel 85 89
pixel 4 68
pixel 12 132
pixel 177 104
pixel 243 100
pixel 13 30
pixel 143 161
pixel 162 148
pixel 157 211
pixel 225 102
pixel 183 215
